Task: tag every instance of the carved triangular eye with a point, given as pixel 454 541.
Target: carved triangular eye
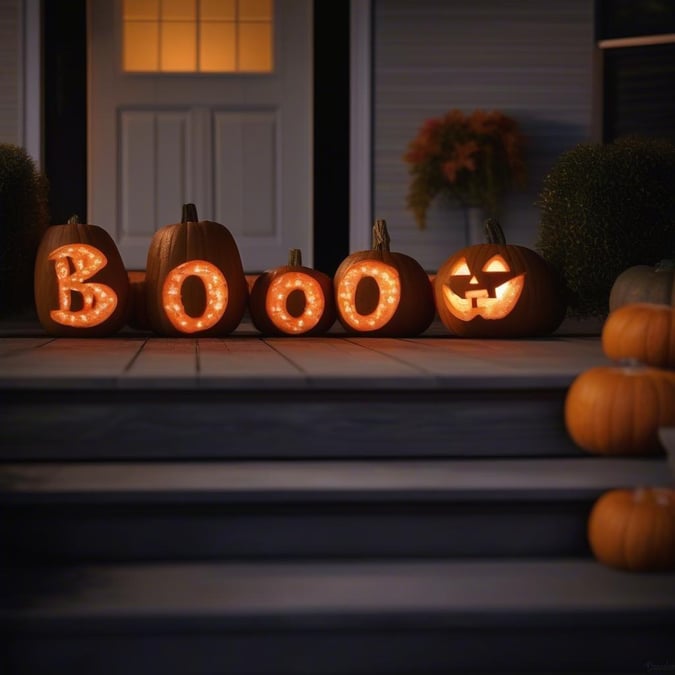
pixel 460 269
pixel 496 264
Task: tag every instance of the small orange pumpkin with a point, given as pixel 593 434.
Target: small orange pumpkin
pixel 81 285
pixel 641 331
pixel 498 290
pixel 617 410
pixel 292 300
pixel 383 293
pixel 195 283
pixel 634 529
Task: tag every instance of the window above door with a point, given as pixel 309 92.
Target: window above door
pixel 198 36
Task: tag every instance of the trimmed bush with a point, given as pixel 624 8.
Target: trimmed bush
pixel 604 208
pixel 23 220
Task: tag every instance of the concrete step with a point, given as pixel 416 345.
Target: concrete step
pixel 328 618
pixel 126 511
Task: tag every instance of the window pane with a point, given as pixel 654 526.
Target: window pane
pixel 217 47
pixel 638 86
pixel 217 10
pixel 255 10
pixel 141 45
pixel 179 10
pixel 630 18
pixel 140 10
pixel 255 47
pixel 179 46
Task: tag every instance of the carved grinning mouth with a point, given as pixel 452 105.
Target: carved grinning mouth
pixel 478 302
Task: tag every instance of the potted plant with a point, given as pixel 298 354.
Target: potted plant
pixel 472 159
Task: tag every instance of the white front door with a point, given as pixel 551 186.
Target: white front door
pixel 238 145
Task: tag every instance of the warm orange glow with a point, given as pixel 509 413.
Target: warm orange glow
pixel 389 285
pixel 216 289
pixel 477 301
pixel 99 300
pixel 217 36
pixel 277 299
pixel 495 264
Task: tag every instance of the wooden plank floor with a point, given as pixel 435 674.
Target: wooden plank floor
pixel 246 360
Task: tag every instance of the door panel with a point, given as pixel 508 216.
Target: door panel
pixel 237 145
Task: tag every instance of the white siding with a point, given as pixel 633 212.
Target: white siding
pixel 530 59
pixel 10 72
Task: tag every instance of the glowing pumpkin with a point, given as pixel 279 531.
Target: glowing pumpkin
pixel 292 300
pixel 618 410
pixel 634 529
pixel 195 283
pixel 380 292
pixel 497 290
pixel 81 286
pixel 641 331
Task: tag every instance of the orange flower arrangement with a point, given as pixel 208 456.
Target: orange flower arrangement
pixel 473 159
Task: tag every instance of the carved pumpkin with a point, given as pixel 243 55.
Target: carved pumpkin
pixel 641 331
pixel 617 410
pixel 81 286
pixel 642 283
pixel 497 290
pixel 384 293
pixel 292 300
pixel 634 529
pixel 195 283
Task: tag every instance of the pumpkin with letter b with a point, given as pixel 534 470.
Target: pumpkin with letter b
pixel 194 282
pixel 498 290
pixel 634 529
pixel 81 285
pixel 292 300
pixel 380 292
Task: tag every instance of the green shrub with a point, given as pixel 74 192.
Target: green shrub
pixel 23 220
pixel 604 208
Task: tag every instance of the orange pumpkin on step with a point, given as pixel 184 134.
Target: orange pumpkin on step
pixel 634 529
pixel 641 331
pixel 618 410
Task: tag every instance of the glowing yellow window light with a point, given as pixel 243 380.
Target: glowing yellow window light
pixel 181 36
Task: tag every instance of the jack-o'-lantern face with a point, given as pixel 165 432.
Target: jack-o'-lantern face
pixel 498 290
pixel 491 292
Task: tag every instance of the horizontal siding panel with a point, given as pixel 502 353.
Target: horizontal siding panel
pixel 529 59
pixel 10 71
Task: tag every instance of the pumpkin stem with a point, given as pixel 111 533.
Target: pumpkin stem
pixel 381 238
pixel 74 219
pixel 494 233
pixel 189 214
pixel 295 257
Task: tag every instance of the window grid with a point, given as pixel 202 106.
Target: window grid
pixel 201 48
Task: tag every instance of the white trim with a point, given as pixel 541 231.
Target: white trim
pixel 30 123
pixel 360 150
pixel 639 41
